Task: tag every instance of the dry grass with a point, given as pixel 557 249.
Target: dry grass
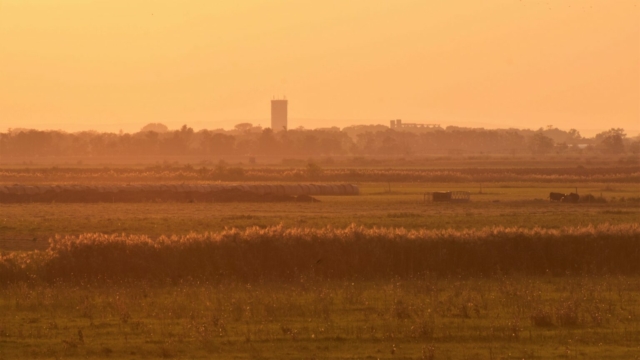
pixel 283 254
pixel 429 318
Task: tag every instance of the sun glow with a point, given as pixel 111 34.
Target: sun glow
pixel 110 65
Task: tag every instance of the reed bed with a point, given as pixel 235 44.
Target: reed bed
pixel 285 254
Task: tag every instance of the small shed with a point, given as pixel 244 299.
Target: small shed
pixel 440 196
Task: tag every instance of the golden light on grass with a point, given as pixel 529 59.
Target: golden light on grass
pixel 287 254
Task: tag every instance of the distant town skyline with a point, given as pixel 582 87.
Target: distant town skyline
pixel 311 124
pixel 120 64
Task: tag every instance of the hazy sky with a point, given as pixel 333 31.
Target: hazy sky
pixel 119 64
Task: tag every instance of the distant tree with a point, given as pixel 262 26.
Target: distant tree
pixel 18 130
pixel 267 143
pixel 310 144
pixel 613 144
pixel 560 136
pixel 157 127
pixel 243 127
pixel 612 141
pixel 575 134
pixel 540 143
pixel 179 141
pixel 610 132
pixel 221 144
pixel 330 145
pixel 390 145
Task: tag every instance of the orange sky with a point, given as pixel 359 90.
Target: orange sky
pixel 119 64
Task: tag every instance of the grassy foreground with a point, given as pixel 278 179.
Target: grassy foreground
pixel 426 318
pixel 366 293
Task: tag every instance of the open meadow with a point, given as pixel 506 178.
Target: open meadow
pixel 382 275
pixel 29 226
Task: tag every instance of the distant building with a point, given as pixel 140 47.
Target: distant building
pixel 397 124
pixel 279 115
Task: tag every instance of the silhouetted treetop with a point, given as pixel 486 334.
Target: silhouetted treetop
pixel 364 140
pixel 157 127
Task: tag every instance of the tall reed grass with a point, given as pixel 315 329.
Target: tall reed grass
pixel 279 253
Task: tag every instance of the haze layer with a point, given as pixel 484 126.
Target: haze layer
pixel 119 64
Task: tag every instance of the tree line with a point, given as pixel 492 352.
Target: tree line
pixel 362 140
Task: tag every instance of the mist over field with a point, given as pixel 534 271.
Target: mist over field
pixel 247 142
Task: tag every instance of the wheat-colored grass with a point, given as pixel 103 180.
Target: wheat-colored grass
pixel 280 253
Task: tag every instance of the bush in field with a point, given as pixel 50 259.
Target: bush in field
pixel 278 253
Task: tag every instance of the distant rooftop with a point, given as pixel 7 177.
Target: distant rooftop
pixel 399 124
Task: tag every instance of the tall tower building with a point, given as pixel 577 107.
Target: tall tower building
pixel 278 115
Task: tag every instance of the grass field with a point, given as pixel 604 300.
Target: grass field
pixel 506 204
pixel 427 316
pixel 447 318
